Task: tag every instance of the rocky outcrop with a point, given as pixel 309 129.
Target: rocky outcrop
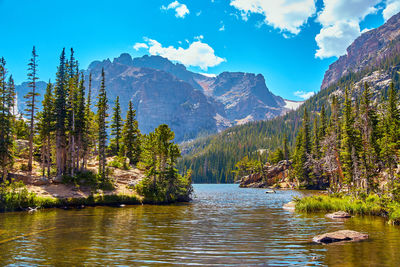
pixel 338 215
pixel 340 236
pixel 370 49
pixel 272 175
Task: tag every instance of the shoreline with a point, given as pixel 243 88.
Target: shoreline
pixel 372 205
pixel 39 203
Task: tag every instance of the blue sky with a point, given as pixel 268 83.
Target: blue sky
pixel 290 42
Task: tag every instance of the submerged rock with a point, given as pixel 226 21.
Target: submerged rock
pixel 339 236
pixel 338 215
pixel 290 206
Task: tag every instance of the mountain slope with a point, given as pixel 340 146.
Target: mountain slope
pixel 191 103
pixel 212 159
pixel 370 49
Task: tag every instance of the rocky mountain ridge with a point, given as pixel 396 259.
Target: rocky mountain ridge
pixel 192 104
pixel 370 49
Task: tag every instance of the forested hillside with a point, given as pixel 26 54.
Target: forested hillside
pixel 212 159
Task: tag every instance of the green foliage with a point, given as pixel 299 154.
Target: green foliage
pixel 7 92
pixel 119 163
pixel 276 156
pixel 116 127
pixel 102 106
pixel 247 166
pixel 131 147
pixel 163 183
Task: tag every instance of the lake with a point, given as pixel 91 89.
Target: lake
pixel 224 225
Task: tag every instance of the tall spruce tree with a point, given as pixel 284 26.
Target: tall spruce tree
pixel 31 102
pixel 6 121
pixel 46 128
pixel 131 136
pixel 116 126
pixel 370 135
pixel 348 140
pixel 61 114
pixel 102 106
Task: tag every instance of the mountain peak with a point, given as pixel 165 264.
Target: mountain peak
pixel 370 49
pixel 124 59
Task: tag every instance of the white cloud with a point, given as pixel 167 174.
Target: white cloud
pixel 181 10
pixel 138 46
pixel 222 28
pixel 392 8
pixel 334 40
pixel 198 13
pixel 340 20
pixel 346 10
pixel 285 15
pixel 304 95
pixel 198 54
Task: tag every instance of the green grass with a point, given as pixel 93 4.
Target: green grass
pixel 370 205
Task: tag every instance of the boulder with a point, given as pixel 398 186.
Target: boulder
pixel 290 206
pixel 26 179
pixel 42 181
pixel 58 179
pixel 338 215
pixel 340 236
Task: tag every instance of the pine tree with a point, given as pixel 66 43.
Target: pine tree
pixel 285 148
pixel 116 125
pixel 370 135
pixel 6 121
pixel 31 102
pixel 89 122
pixel 390 141
pixel 324 124
pixel 348 140
pixel 46 128
pixel 102 107
pixel 61 115
pixel 302 166
pixel 131 136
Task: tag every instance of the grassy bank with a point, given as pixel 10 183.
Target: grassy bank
pixel 15 196
pixel 369 205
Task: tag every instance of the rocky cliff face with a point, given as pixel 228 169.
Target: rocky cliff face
pixel 191 103
pixel 370 49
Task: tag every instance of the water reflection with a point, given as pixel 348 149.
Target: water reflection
pixel 223 225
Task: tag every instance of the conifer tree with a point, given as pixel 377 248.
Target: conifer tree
pixel 348 139
pixel 102 107
pixel 116 125
pixel 46 128
pixel 390 140
pixel 324 124
pixel 370 135
pixel 285 148
pixel 31 102
pixel 6 121
pixel 131 136
pixel 61 114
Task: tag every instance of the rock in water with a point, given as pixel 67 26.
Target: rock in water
pixel 338 215
pixel 290 206
pixel 339 236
